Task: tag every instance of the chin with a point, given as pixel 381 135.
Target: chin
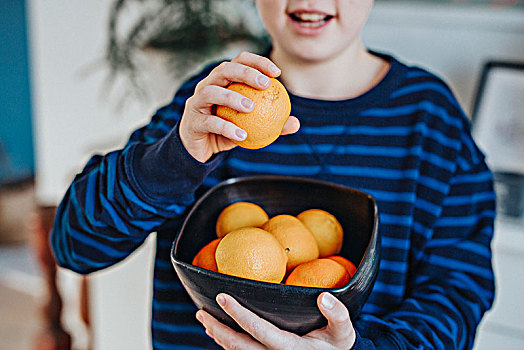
pixel 312 58
pixel 311 50
pixel 314 54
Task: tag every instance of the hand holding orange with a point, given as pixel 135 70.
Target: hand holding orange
pixel 268 117
pixel 203 133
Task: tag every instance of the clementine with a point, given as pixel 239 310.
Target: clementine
pixel 266 121
pixel 319 273
pixel 326 229
pixel 251 253
pixel 348 265
pixel 205 258
pixel 295 238
pixel 238 215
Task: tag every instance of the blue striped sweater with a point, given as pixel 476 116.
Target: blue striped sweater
pixel 406 142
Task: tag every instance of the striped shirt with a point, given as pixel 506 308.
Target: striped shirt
pixel 406 142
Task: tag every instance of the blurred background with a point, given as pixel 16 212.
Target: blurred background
pixel 78 76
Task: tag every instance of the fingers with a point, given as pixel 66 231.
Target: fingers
pixel 216 95
pixel 261 63
pixel 228 72
pixel 339 329
pixel 263 331
pixel 247 68
pixel 225 336
pixel 203 133
pixel 339 332
pixel 219 126
pixel 292 125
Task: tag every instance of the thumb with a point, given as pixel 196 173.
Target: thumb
pixel 292 125
pixel 339 328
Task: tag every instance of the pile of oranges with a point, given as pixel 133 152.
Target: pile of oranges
pixel 296 250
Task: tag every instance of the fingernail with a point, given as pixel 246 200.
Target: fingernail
pixel 328 301
pixel 247 103
pixel 241 134
pixel 274 69
pixel 262 80
pixel 221 300
pixel 199 317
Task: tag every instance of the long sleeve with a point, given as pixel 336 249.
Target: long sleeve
pixel 452 285
pixel 119 198
pixel 406 142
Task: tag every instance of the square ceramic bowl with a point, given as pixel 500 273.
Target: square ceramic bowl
pixel 292 308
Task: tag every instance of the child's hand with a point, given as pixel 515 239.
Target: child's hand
pixel 338 334
pixel 204 134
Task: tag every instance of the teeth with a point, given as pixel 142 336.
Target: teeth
pixel 310 17
pixel 312 24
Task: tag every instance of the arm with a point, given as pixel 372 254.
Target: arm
pixel 453 284
pixel 451 288
pixel 450 284
pixel 121 197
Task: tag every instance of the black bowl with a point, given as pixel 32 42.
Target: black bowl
pixel 291 308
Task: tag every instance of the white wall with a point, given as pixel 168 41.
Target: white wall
pixel 73 118
pixel 453 41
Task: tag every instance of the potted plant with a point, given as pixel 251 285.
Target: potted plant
pixel 188 33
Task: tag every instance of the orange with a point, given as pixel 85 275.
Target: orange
pixel 205 258
pixel 326 229
pixel 251 253
pixel 265 122
pixel 295 238
pixel 320 273
pixel 238 215
pixel 348 265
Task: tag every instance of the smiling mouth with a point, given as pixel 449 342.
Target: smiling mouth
pixel 310 20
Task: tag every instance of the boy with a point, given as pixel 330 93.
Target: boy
pixel 367 121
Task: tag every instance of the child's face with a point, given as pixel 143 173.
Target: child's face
pixel 314 30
